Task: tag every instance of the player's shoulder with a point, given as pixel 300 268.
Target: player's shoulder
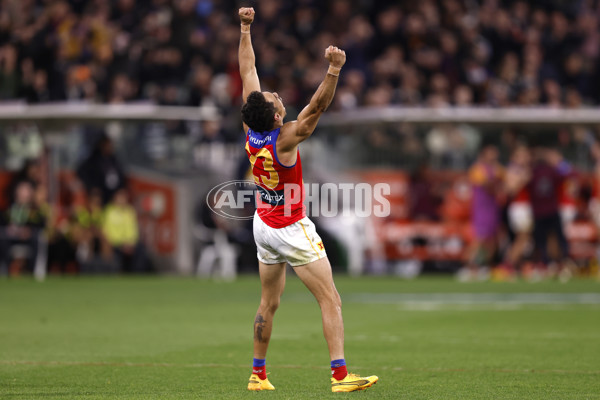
pixel 290 125
pixel 289 128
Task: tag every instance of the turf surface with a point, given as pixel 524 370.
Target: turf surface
pixel 166 338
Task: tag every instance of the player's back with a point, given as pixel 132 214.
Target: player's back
pixel 280 187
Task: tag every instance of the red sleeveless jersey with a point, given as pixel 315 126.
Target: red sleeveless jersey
pixel 280 189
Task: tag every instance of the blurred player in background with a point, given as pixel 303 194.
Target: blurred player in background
pixel 282 232
pixel 547 177
pixel 520 215
pixel 485 177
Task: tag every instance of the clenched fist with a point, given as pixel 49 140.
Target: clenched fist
pixel 246 15
pixel 335 56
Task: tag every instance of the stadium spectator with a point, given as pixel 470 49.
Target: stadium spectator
pixel 424 196
pixel 9 77
pixel 102 170
pixel 87 224
pixel 120 229
pixel 35 84
pixel 31 172
pixel 20 227
pixel 452 146
pixel 61 251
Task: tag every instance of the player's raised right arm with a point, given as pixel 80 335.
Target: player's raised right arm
pixel 246 54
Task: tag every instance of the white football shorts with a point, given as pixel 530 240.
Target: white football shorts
pixel 296 244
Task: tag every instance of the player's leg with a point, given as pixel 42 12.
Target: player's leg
pixel 318 279
pixel 540 238
pixel 272 279
pixel 557 226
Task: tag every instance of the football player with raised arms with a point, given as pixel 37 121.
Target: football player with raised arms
pixel 282 232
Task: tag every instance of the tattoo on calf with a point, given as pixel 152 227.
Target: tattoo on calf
pixel 259 325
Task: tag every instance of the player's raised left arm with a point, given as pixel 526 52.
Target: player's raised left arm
pixel 246 54
pixel 320 101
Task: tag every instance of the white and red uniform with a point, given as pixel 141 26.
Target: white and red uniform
pixel 282 231
pixel 520 215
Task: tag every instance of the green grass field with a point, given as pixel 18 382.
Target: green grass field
pixel 167 338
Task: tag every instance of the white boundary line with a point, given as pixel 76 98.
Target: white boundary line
pixel 285 366
pixel 467 298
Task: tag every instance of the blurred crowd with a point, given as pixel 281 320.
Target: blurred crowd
pixel 184 52
pixel 92 227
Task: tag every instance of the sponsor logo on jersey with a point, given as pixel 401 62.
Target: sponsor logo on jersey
pixel 259 142
pixel 272 197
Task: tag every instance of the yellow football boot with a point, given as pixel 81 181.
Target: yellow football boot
pixel 255 383
pixel 352 382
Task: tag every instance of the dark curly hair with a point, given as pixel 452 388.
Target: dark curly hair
pixel 258 113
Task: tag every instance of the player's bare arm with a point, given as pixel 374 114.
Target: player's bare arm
pixel 246 55
pixel 293 133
